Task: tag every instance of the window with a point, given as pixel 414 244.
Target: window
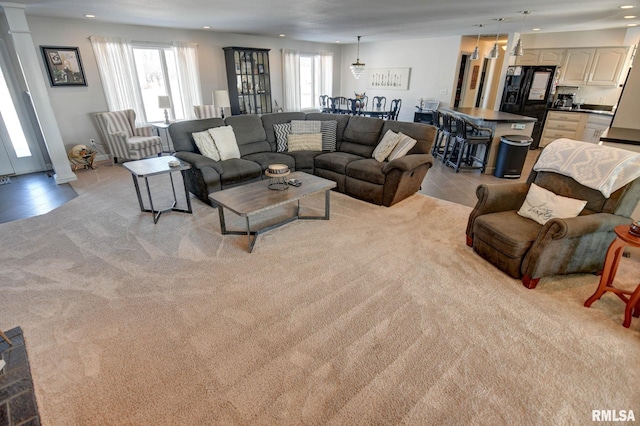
pixel 306 76
pixel 308 96
pixel 157 72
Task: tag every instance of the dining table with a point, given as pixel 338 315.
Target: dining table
pixel 372 112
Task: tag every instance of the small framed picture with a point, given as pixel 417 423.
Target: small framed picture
pixel 260 68
pixel 64 66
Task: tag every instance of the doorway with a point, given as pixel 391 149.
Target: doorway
pixel 20 152
pixel 460 83
pixel 483 75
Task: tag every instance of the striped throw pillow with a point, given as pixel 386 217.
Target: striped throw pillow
pixel 328 129
pixel 282 130
pixel 404 145
pixel 300 127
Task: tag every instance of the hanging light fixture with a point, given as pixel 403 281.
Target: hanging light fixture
pixel 357 68
pixel 517 50
pixel 476 52
pixel 495 53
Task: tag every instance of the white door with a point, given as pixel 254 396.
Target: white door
pixel 20 152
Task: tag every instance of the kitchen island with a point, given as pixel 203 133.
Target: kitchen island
pixel 501 124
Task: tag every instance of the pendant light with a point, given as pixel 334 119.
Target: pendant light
pixel 495 53
pixel 517 50
pixel 357 68
pixel 476 52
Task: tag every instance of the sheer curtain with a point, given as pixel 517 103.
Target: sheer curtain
pixel 291 79
pixel 326 74
pixel 188 76
pixel 116 66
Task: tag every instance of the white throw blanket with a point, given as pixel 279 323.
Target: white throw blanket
pixel 603 168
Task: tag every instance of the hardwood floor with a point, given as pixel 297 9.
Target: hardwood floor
pixel 444 183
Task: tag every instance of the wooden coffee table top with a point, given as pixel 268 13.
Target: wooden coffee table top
pixel 253 198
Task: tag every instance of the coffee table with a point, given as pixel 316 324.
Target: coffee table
pixel 254 198
pixel 156 166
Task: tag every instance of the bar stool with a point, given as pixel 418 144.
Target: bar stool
pixel 464 152
pixel 437 142
pixel 447 134
pixel 614 253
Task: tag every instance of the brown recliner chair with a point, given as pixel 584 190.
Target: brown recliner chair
pixel 524 249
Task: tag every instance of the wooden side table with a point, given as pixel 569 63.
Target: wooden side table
pixel 614 253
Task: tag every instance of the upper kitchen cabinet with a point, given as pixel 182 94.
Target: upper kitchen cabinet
pixel 600 66
pixel 541 57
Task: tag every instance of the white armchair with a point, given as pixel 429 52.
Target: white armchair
pixel 124 139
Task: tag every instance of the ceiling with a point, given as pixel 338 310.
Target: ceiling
pixel 342 20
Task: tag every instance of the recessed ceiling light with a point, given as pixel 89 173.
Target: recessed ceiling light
pixel 535 29
pixel 630 17
pixel 626 6
pixel 89 16
pixel 206 27
pixel 632 25
pixel 338 41
pixel 283 35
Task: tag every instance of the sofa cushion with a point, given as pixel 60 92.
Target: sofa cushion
pixel 282 130
pixel 238 170
pixel 267 158
pixel 304 160
pixel 368 169
pixel 509 233
pixel 335 161
pixel 249 133
pixel 361 135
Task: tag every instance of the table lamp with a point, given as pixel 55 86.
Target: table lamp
pixel 164 102
pixel 221 100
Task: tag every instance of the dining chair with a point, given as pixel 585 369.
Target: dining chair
pixel 380 102
pixel 339 105
pixel 324 102
pixel 394 111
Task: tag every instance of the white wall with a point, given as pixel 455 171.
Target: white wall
pixel 627 115
pixel 432 62
pixel 73 105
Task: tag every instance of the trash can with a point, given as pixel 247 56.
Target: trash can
pixel 511 156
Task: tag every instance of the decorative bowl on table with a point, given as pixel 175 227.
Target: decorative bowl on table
pixel 634 229
pixel 278 176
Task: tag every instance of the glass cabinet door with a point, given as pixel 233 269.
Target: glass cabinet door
pixel 248 80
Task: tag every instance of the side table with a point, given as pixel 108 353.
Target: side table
pixel 614 253
pixel 164 127
pixel 155 166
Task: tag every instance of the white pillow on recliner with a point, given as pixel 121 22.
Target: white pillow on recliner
pixel 543 205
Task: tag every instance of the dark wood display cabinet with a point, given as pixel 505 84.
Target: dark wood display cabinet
pixel 248 80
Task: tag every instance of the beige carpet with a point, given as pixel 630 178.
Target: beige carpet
pixel 378 316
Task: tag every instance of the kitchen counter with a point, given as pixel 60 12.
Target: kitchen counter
pixel 588 111
pixel 491 115
pixel 500 123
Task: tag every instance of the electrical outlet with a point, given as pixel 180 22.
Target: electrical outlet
pixel 443 91
pixel 92 142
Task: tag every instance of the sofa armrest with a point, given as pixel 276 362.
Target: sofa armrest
pixel 408 162
pixel 575 227
pixel 199 161
pixel 143 131
pixel 496 198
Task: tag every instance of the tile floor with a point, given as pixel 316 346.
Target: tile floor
pixel 32 195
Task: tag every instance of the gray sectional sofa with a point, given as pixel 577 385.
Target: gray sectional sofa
pixel 351 166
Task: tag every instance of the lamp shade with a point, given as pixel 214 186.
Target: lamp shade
pixel 164 102
pixel 221 99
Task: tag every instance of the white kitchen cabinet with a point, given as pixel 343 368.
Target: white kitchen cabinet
pixel 596 125
pixel 561 124
pixel 607 66
pixel 529 57
pixel 551 56
pixel 541 57
pixel 576 67
pixel 600 66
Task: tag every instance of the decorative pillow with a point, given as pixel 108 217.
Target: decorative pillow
pixel 225 141
pixel 300 127
pixel 206 145
pixel 404 145
pixel 305 142
pixel 543 205
pixel 328 129
pixel 282 130
pixel 386 145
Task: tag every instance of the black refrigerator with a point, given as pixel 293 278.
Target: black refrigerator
pixel 529 91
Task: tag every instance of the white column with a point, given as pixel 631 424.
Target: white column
pixel 27 54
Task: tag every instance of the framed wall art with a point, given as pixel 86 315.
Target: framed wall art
pixel 389 78
pixel 64 66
